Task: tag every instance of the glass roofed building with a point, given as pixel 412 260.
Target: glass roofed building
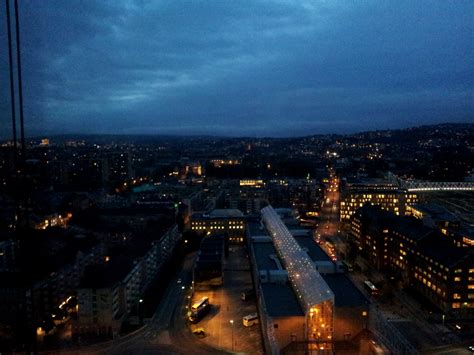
pixel 313 293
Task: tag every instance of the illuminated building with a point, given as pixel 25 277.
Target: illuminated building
pixel 223 162
pixel 230 222
pixel 461 236
pixel 421 256
pixel 248 195
pixel 313 293
pixel 281 310
pixel 53 220
pixel 433 215
pixel 393 201
pixel 252 183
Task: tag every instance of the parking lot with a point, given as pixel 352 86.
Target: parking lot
pixel 226 306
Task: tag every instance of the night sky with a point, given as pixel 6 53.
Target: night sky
pixel 269 68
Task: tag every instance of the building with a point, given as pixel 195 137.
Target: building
pixel 249 196
pixel 294 271
pixel 395 201
pixel 422 257
pixel 8 254
pixel 433 215
pixel 101 298
pixel 118 167
pixel 110 291
pixel 230 222
pixel 39 282
pixel 209 266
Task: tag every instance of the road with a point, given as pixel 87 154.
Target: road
pixel 166 333
pixel 329 225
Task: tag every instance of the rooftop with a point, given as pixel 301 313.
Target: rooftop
pixel 280 300
pixel 436 211
pixel 263 251
pixel 106 275
pixel 346 294
pixel 226 213
pixel 307 283
pixel 256 229
pixel 446 253
pixel 312 248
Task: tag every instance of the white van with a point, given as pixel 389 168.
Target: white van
pixel 250 320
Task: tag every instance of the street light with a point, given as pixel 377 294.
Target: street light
pixel 140 316
pixel 232 322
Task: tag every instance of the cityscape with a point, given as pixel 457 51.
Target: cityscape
pixel 339 243
pixel 266 230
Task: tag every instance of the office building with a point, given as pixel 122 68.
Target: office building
pixel 230 222
pixel 422 257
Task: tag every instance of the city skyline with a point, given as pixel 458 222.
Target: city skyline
pixel 241 69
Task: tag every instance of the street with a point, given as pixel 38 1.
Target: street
pixel 166 332
pixel 328 232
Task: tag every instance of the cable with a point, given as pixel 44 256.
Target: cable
pixel 12 86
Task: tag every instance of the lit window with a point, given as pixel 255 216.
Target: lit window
pixel 456 305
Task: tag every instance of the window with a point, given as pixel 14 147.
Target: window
pixel 457 296
pixel 457 279
pixel 456 305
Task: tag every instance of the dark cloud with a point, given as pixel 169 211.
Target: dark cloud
pixel 244 67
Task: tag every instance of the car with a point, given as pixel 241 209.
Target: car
pixel 199 332
pixel 250 320
pixel 247 295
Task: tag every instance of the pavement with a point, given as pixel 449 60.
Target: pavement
pixel 226 305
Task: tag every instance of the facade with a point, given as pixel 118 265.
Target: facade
pixel 48 294
pixel 395 201
pixel 230 222
pixel 100 298
pixel 423 258
pixel 109 292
